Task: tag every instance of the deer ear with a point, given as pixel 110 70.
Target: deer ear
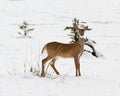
pixel 87 28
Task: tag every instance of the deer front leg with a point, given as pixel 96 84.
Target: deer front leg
pixel 77 66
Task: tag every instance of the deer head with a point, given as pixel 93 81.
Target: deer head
pixel 82 29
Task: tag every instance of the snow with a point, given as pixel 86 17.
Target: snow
pixel 100 76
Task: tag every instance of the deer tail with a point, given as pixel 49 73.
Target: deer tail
pixel 43 49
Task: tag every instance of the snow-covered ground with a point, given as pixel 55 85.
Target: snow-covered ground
pixel 100 76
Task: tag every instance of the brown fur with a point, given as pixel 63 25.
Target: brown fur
pixel 55 49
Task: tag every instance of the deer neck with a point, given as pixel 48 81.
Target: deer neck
pixel 81 41
pixel 80 38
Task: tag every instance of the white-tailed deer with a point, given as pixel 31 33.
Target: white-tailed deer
pixel 74 50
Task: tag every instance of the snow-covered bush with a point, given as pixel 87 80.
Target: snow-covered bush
pixel 73 35
pixel 25 27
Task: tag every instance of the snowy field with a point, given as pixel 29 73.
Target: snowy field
pixel 100 76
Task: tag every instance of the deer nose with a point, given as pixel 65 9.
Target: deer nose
pixel 81 34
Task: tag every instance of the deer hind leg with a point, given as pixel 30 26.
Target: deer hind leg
pixel 43 65
pixel 77 66
pixel 52 63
